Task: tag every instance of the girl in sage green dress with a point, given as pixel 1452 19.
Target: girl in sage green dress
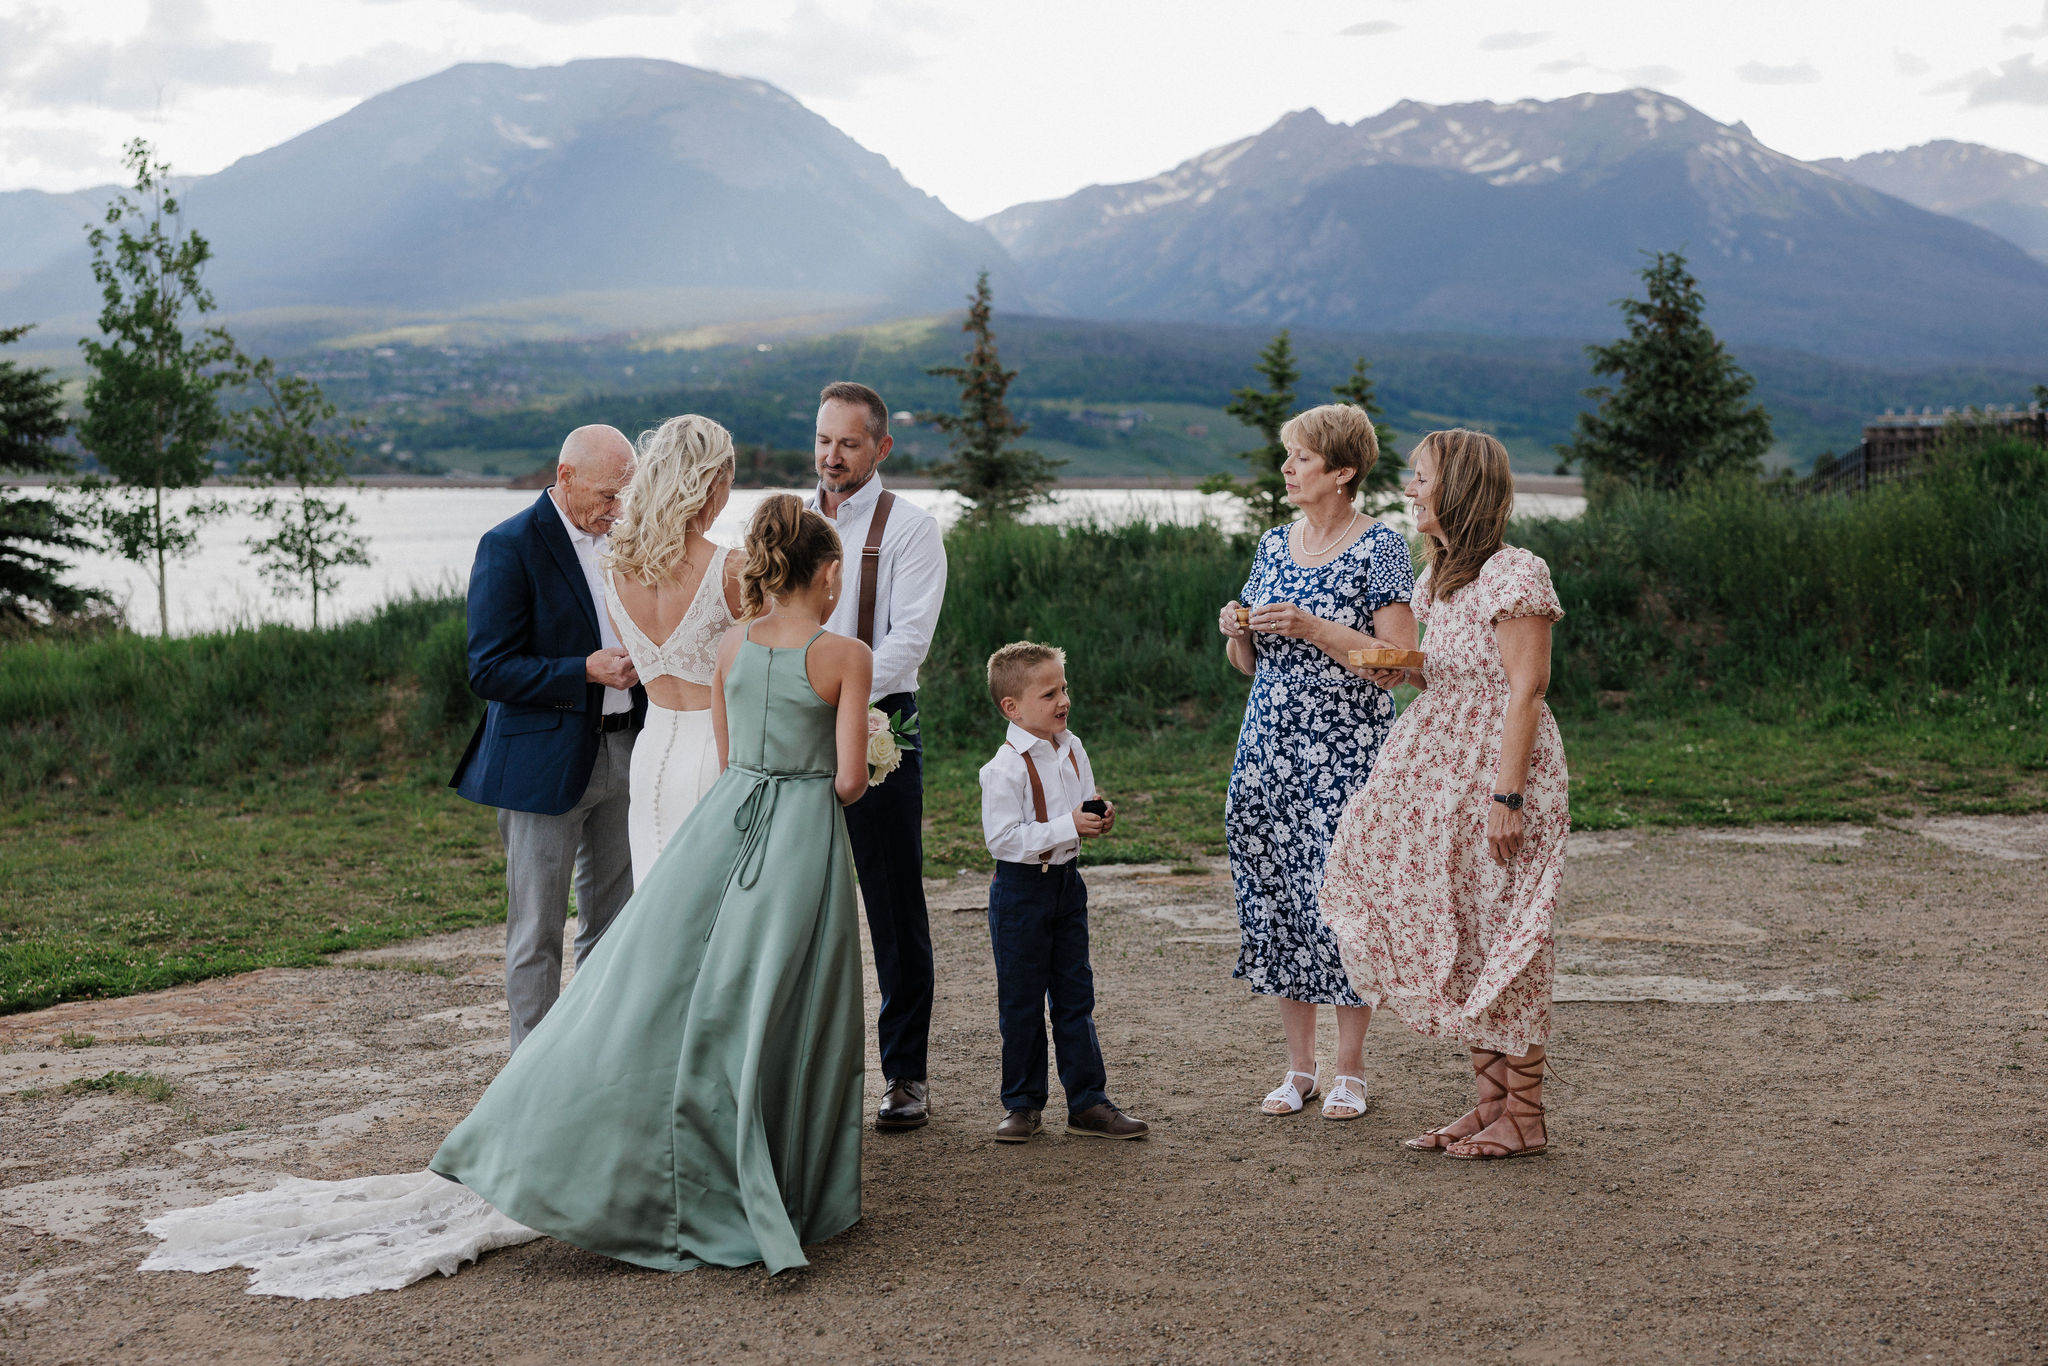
pixel 694 1097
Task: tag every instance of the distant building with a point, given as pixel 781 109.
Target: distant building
pixel 1895 443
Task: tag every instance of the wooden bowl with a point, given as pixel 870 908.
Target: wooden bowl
pixel 1386 659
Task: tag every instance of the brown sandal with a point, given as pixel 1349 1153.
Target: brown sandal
pixel 1425 1143
pixel 1515 1112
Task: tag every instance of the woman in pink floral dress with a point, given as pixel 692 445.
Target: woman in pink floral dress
pixel 1443 871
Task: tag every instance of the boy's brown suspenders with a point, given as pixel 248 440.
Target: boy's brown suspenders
pixel 871 567
pixel 1038 793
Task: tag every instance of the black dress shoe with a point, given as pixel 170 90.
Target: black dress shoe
pixel 907 1105
pixel 1018 1126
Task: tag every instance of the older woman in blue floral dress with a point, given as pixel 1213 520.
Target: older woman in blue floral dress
pixel 1332 582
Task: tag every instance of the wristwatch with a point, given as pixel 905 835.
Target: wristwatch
pixel 1511 800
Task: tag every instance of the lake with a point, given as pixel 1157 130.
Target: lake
pixel 422 540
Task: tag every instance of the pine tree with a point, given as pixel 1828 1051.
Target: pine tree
pixel 1681 409
pixel 287 440
pixel 1265 411
pixel 998 480
pixel 152 412
pixel 1381 486
pixel 31 529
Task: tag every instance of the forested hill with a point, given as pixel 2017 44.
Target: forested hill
pixel 1114 399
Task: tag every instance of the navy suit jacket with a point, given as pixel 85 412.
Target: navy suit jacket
pixel 531 627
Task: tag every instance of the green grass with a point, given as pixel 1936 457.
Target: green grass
pixel 147 1085
pixel 105 899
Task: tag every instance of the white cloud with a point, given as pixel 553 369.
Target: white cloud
pixel 1762 73
pixel 1511 40
pixel 1906 64
pixel 1371 28
pixel 177 50
pixel 1657 76
pixel 821 53
pixel 2022 80
pixel 1564 66
pixel 2031 31
pixel 567 11
pixel 369 73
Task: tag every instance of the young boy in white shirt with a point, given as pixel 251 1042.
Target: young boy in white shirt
pixel 1038 802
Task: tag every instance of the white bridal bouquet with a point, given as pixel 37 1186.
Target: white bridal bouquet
pixel 888 737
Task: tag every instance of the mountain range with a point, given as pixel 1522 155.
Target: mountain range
pixel 624 192
pixel 628 195
pixel 1531 218
pixel 2002 191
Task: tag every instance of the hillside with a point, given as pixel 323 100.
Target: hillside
pixel 2001 191
pixel 1528 219
pixel 1121 400
pixel 604 195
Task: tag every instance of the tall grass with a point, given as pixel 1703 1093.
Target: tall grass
pixel 1926 595
pixel 1134 606
pixel 116 713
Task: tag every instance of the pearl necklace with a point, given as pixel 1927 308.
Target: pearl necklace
pixel 1318 554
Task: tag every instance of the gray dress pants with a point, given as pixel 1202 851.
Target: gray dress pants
pixel 543 854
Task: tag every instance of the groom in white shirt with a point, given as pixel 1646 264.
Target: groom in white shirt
pixel 895 578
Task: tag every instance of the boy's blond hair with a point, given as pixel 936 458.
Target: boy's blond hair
pixel 1011 665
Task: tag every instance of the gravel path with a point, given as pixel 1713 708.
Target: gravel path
pixel 1807 1099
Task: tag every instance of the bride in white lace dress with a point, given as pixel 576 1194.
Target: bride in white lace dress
pixel 666 581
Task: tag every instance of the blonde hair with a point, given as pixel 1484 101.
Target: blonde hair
pixel 1475 493
pixel 1011 666
pixel 787 544
pixel 1342 434
pixel 680 463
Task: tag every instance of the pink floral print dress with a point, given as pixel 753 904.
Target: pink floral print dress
pixel 1427 923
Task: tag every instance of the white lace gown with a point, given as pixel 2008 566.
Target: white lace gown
pixel 675 760
pixel 329 1240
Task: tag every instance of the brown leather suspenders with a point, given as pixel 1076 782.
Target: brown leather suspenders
pixel 871 566
pixel 1038 793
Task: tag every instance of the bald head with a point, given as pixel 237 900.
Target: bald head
pixel 592 472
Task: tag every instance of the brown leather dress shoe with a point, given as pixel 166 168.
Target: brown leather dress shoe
pixel 907 1105
pixel 1106 1121
pixel 1018 1126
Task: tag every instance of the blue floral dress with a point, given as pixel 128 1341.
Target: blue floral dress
pixel 1312 730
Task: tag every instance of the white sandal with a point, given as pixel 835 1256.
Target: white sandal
pixel 1290 1095
pixel 1342 1094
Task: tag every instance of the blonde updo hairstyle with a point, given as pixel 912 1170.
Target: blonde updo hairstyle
pixel 787 544
pixel 1475 494
pixel 1342 434
pixel 676 471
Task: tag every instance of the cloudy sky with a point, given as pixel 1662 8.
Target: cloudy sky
pixel 986 104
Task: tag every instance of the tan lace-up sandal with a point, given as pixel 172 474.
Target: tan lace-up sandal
pixel 1491 1091
pixel 1520 1113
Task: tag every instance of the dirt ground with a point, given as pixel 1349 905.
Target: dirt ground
pixel 1807 1101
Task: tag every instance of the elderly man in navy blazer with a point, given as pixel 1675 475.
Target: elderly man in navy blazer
pixel 555 751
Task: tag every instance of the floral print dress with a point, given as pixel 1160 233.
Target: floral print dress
pixel 1457 945
pixel 1311 731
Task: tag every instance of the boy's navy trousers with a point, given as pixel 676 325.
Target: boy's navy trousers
pixel 1038 926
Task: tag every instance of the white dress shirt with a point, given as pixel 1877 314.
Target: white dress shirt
pixel 1009 822
pixel 588 549
pixel 910 584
